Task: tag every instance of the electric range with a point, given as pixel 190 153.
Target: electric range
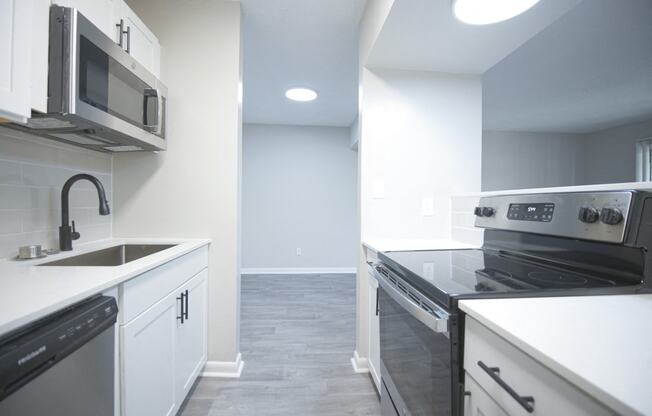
pixel 563 244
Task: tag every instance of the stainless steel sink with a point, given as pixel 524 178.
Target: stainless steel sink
pixel 112 256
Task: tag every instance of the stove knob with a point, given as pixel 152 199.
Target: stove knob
pixel 588 215
pixel 611 216
pixel 478 211
pixel 488 212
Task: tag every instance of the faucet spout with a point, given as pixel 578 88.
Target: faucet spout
pixel 66 233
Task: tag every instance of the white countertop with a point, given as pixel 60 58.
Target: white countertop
pixel 599 187
pixel 414 244
pixel 601 344
pixel 28 293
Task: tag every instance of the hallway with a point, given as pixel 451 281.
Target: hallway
pixel 297 339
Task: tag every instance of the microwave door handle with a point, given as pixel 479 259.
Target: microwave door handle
pixel 433 322
pixel 158 127
pixel 159 112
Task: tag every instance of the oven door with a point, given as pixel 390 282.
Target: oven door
pixel 415 351
pixel 93 82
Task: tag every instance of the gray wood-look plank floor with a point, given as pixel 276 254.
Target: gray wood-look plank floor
pixel 297 338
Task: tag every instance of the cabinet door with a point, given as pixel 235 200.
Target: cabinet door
pixel 374 331
pixel 15 59
pixel 148 342
pixel 140 42
pixel 477 402
pixel 191 335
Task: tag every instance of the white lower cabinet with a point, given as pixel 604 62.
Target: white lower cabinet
pixel 477 402
pixel 190 335
pixel 162 354
pixel 148 373
pixel 515 382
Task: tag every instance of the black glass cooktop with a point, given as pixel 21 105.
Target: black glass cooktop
pixel 448 274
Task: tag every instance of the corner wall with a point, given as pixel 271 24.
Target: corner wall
pixel 421 138
pixel 193 188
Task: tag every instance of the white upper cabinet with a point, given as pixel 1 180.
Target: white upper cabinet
pixel 136 38
pixel 100 12
pixel 15 59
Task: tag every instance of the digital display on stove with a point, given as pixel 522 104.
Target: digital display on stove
pixel 541 212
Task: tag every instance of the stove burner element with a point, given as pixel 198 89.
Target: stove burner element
pixel 557 278
pixel 502 277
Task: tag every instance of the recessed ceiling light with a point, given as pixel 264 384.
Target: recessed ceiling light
pixel 484 12
pixel 301 94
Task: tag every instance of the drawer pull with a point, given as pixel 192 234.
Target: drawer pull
pixel 527 402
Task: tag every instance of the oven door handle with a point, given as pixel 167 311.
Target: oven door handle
pixel 437 324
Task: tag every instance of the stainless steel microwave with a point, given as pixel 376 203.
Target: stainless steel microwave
pixel 99 96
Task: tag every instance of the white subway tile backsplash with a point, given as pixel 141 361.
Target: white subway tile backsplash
pixel 32 173
pixel 13 197
pixel 464 203
pixel 10 221
pixel 9 173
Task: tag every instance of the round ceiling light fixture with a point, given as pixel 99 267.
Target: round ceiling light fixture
pixel 485 12
pixel 301 94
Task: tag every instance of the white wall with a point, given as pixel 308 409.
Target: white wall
pixel 421 138
pixel 518 160
pixel 298 191
pixel 192 189
pixel 32 173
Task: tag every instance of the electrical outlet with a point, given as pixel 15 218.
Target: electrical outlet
pixel 298 251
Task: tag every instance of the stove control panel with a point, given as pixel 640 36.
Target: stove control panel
pixel 600 216
pixel 531 212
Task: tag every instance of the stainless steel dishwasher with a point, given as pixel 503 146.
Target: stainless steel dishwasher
pixel 62 365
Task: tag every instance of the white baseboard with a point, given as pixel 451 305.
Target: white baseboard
pixel 299 270
pixel 224 369
pixel 360 364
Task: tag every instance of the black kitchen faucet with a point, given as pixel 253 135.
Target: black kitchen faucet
pixel 67 233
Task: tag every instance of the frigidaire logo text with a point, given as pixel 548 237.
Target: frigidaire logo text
pixel 32 355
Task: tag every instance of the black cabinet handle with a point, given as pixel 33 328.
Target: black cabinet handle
pixel 377 304
pixel 526 402
pixel 187 303
pixel 182 317
pixel 128 32
pixel 121 33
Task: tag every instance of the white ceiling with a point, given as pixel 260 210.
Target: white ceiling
pixel 300 43
pixel 590 70
pixel 424 35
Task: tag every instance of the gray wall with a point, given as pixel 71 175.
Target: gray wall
pixel 610 155
pixel 298 191
pixel 519 160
